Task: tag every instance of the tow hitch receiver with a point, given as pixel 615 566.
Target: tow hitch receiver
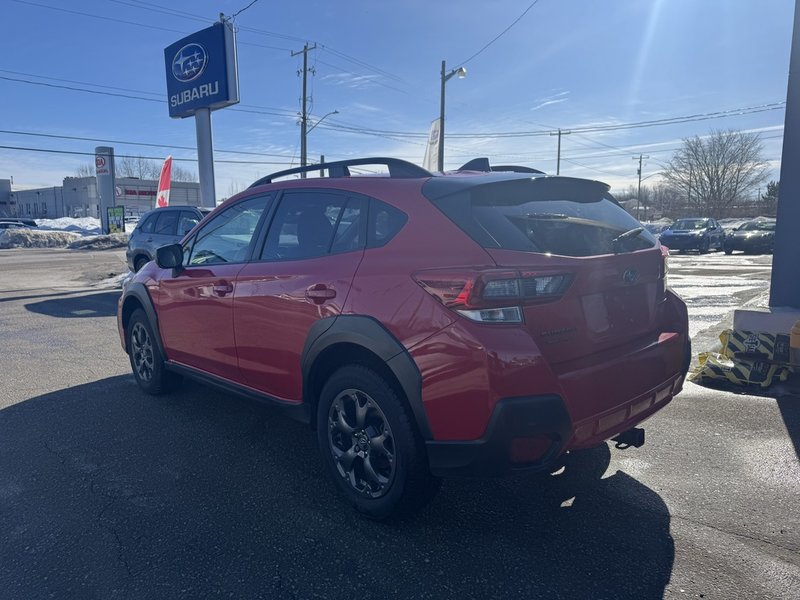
pixel 633 437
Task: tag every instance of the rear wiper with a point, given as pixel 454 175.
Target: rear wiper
pixel 631 233
pixel 545 216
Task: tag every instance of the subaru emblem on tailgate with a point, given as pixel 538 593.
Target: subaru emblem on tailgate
pixel 630 276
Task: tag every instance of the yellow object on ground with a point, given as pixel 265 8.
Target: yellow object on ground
pixel 739 371
pixel 747 358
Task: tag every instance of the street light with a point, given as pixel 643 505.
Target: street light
pixel 333 112
pixel 303 160
pixel 461 72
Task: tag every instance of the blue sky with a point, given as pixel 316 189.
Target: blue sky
pixel 573 64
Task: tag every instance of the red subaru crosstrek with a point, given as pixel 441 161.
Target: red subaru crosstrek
pixel 475 322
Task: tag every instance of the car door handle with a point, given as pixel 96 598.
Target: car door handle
pixel 222 289
pixel 319 292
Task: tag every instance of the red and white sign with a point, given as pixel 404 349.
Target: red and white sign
pixel 100 165
pixel 162 199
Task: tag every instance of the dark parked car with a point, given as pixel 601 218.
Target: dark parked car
pixel 474 323
pixel 159 227
pixel 656 228
pixel 12 225
pixel 756 236
pixel 24 220
pixel 694 234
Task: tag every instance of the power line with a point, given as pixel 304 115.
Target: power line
pixel 130 143
pixel 401 134
pixel 502 33
pixel 193 160
pixel 261 110
pixel 238 12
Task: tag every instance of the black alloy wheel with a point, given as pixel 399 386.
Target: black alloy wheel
pixel 370 445
pixel 362 443
pixel 146 359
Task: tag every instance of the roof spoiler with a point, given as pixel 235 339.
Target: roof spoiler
pixel 482 164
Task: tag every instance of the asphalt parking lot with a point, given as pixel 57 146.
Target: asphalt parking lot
pixel 106 492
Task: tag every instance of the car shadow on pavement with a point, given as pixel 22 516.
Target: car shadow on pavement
pixel 103 304
pixel 107 492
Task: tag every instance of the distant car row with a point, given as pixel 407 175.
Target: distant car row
pixel 705 234
pixel 15 223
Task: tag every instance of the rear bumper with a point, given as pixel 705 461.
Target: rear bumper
pixel 684 243
pixel 604 400
pixel 489 456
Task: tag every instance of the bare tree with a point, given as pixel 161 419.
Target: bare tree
pixel 181 174
pixel 85 171
pixel 717 172
pixel 136 166
pixel 140 168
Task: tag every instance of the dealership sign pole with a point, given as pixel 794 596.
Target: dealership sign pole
pixel 104 171
pixel 202 76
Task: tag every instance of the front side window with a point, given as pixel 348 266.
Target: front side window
pixel 227 237
pixel 149 224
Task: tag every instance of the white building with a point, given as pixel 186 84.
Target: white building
pixel 77 197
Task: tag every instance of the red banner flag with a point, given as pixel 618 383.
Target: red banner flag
pixel 163 184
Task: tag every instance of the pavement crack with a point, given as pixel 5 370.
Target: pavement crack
pixel 735 534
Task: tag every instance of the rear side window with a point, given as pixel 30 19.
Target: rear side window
pixel 564 217
pixel 167 223
pixel 384 223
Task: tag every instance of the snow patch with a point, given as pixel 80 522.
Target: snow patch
pixel 33 238
pixel 79 225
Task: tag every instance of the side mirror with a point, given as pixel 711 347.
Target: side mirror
pixel 170 257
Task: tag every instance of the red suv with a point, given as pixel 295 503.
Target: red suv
pixel 476 322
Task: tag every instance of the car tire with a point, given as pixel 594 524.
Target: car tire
pixel 140 262
pixel 729 251
pixel 370 446
pixel 146 359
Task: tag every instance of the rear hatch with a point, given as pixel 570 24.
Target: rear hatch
pixel 584 274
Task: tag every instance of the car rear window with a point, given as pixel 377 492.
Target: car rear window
pixel 568 218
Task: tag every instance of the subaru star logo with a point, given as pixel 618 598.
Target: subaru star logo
pixel 630 276
pixel 189 62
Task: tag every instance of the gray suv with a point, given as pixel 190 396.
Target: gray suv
pixel 159 227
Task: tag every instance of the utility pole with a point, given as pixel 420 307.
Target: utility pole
pixel 639 193
pixel 304 112
pixel 558 160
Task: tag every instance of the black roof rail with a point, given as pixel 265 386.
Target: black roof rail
pixel 482 164
pixel 340 168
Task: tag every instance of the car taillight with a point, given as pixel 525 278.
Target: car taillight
pixel 492 296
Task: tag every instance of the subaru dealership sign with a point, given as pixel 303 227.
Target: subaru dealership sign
pixel 201 71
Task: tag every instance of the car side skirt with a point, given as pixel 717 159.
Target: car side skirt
pixel 295 410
